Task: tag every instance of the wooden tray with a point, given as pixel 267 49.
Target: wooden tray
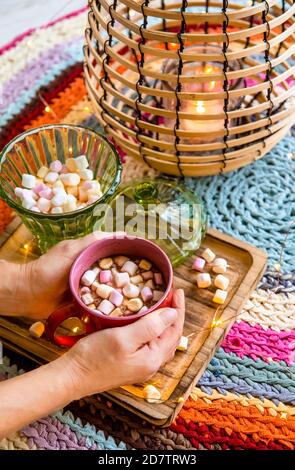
pixel 176 379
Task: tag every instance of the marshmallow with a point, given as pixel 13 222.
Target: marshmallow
pixel 56 166
pixel 71 203
pixel 39 187
pixel 150 284
pixel 42 172
pixel 72 190
pixel 71 165
pixel 70 179
pixel 83 196
pixel 220 296
pixel 106 263
pixel 219 266
pixel 29 193
pixel 147 275
pixel 18 192
pixel 51 177
pixel 93 199
pixel 129 267
pixel 106 307
pixel 56 210
pixel 131 291
pixel 35 209
pixel 134 305
pixel 203 280
pixel 87 299
pixel 120 260
pixel 37 329
pixel 86 174
pixel 198 264
pixel 151 394
pixel 116 313
pixel 183 343
pixel 104 291
pixel 85 290
pixel 136 279
pixel 44 204
pixel 221 282
pixel 28 181
pixel 143 309
pixel 144 264
pixel 46 194
pixel 121 279
pixel 105 276
pixel 88 277
pixel 208 255
pixel 60 198
pixel 81 162
pixel 57 185
pixel 146 294
pixel 158 279
pixel 116 298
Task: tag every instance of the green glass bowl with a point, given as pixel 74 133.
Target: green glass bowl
pixel 40 146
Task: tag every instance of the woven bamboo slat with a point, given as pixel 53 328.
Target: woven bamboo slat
pixel 192 87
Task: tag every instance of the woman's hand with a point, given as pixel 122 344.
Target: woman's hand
pixel 125 355
pixel 37 288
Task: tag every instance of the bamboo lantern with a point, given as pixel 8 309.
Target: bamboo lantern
pixel 192 87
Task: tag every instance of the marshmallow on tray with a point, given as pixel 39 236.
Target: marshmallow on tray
pixel 70 187
pixel 203 280
pixel 221 282
pixel 219 296
pixel 208 255
pixel 115 292
pixel 219 266
pixel 198 264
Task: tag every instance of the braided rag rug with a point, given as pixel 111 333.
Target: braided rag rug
pixel 246 397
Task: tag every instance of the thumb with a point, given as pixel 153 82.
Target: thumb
pixel 149 327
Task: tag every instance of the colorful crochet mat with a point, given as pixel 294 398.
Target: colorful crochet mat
pixel 246 397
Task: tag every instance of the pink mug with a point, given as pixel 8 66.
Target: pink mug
pixel 91 319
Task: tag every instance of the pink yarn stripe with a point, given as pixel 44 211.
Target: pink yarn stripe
pixel 257 343
pixel 27 33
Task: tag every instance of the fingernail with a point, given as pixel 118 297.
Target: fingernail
pixel 169 315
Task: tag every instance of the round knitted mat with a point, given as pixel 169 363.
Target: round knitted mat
pixel 246 397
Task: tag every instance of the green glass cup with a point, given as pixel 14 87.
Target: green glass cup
pixel 40 146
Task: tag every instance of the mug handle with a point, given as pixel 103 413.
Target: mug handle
pixel 58 317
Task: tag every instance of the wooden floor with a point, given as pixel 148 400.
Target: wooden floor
pixel 19 15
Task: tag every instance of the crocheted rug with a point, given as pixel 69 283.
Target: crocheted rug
pixel 246 397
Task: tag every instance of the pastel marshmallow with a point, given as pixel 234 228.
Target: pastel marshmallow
pixel 39 187
pixel 208 255
pixel 136 279
pixel 35 209
pixel 121 279
pixel 87 299
pixel 158 279
pixel 116 298
pixel 105 276
pixel 147 275
pixel 105 263
pixel 88 277
pixel 220 296
pixel 72 190
pixel 129 267
pixel 106 307
pixel 93 199
pixel 56 210
pixel 28 181
pixel 59 199
pixel 71 165
pixel 146 294
pixel 117 312
pixel 219 266
pixel 46 193
pixel 37 329
pixel 203 280
pixel 51 177
pixel 221 282
pixel 71 203
pixel 42 172
pixel 199 264
pixel 44 204
pixel 82 194
pixel 134 305
pixel 57 185
pixel 70 179
pixel 120 260
pixel 18 192
pixel 86 174
pixel 104 291
pixel 151 394
pixel 143 309
pixel 183 344
pixel 81 162
pixel 55 166
pixel 150 284
pixel 85 290
pixel 145 264
pixel 29 193
pixel 131 291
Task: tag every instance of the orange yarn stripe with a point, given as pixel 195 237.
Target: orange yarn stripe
pixel 61 105
pixel 242 419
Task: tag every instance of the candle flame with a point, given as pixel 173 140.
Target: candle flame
pixel 200 108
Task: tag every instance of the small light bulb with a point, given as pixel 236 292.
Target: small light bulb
pixel 47 109
pixel 26 247
pixel 86 108
pixel 277 267
pixel 75 329
pixel 290 155
pixel 29 43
